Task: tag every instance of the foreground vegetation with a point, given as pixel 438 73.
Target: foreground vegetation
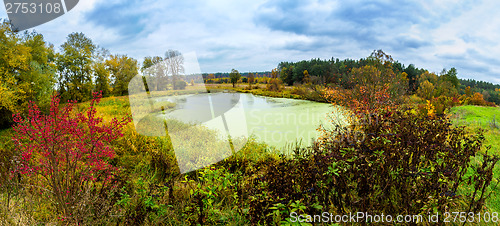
pixel 259 185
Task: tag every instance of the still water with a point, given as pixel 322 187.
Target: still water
pixel 275 121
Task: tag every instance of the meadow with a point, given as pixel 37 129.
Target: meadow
pixel 476 117
pixel 483 118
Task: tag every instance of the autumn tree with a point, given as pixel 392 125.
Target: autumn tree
pixel 122 69
pixel 27 72
pixel 234 76
pixel 374 87
pixel 274 83
pixel 306 78
pixel 251 79
pixel 428 76
pixel 468 91
pixel 477 99
pixel 210 78
pixel 74 66
pixel 426 90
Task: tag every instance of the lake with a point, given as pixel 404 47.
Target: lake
pixel 275 121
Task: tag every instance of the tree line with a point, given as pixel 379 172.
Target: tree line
pixel 338 72
pixel 33 70
pixel 421 82
pixel 490 91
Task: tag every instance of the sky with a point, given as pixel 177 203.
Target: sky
pixel 256 35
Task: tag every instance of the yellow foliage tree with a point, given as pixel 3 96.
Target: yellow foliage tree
pixel 426 90
pixel 26 72
pixel 477 99
pixel 274 83
pixel 306 78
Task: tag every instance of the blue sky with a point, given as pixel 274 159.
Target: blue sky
pixel 256 35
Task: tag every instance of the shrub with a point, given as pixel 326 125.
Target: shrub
pixel 373 88
pixel 444 103
pixel 299 90
pixel 179 84
pixel 400 163
pixel 274 84
pixel 408 164
pixel 477 99
pixel 66 154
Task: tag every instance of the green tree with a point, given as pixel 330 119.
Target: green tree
pixel 286 75
pixel 486 95
pixel 234 76
pixel 153 70
pixel 102 79
pixel 37 83
pixel 149 62
pixel 445 88
pixel 74 65
pixel 451 76
pixel 122 69
pixel 101 74
pixel 26 72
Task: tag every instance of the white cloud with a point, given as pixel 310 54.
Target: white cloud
pixel 257 35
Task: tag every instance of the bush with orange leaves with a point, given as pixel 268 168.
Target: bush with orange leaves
pixel 477 99
pixel 374 87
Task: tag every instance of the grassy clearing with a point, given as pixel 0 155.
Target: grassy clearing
pixel 479 117
pixel 486 118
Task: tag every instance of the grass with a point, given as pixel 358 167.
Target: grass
pixel 480 117
pixel 486 118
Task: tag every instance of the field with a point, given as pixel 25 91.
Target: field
pixel 486 118
pixel 476 117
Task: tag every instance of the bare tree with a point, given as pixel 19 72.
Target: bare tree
pixel 174 62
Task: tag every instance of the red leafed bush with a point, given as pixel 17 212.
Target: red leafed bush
pixel 66 153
